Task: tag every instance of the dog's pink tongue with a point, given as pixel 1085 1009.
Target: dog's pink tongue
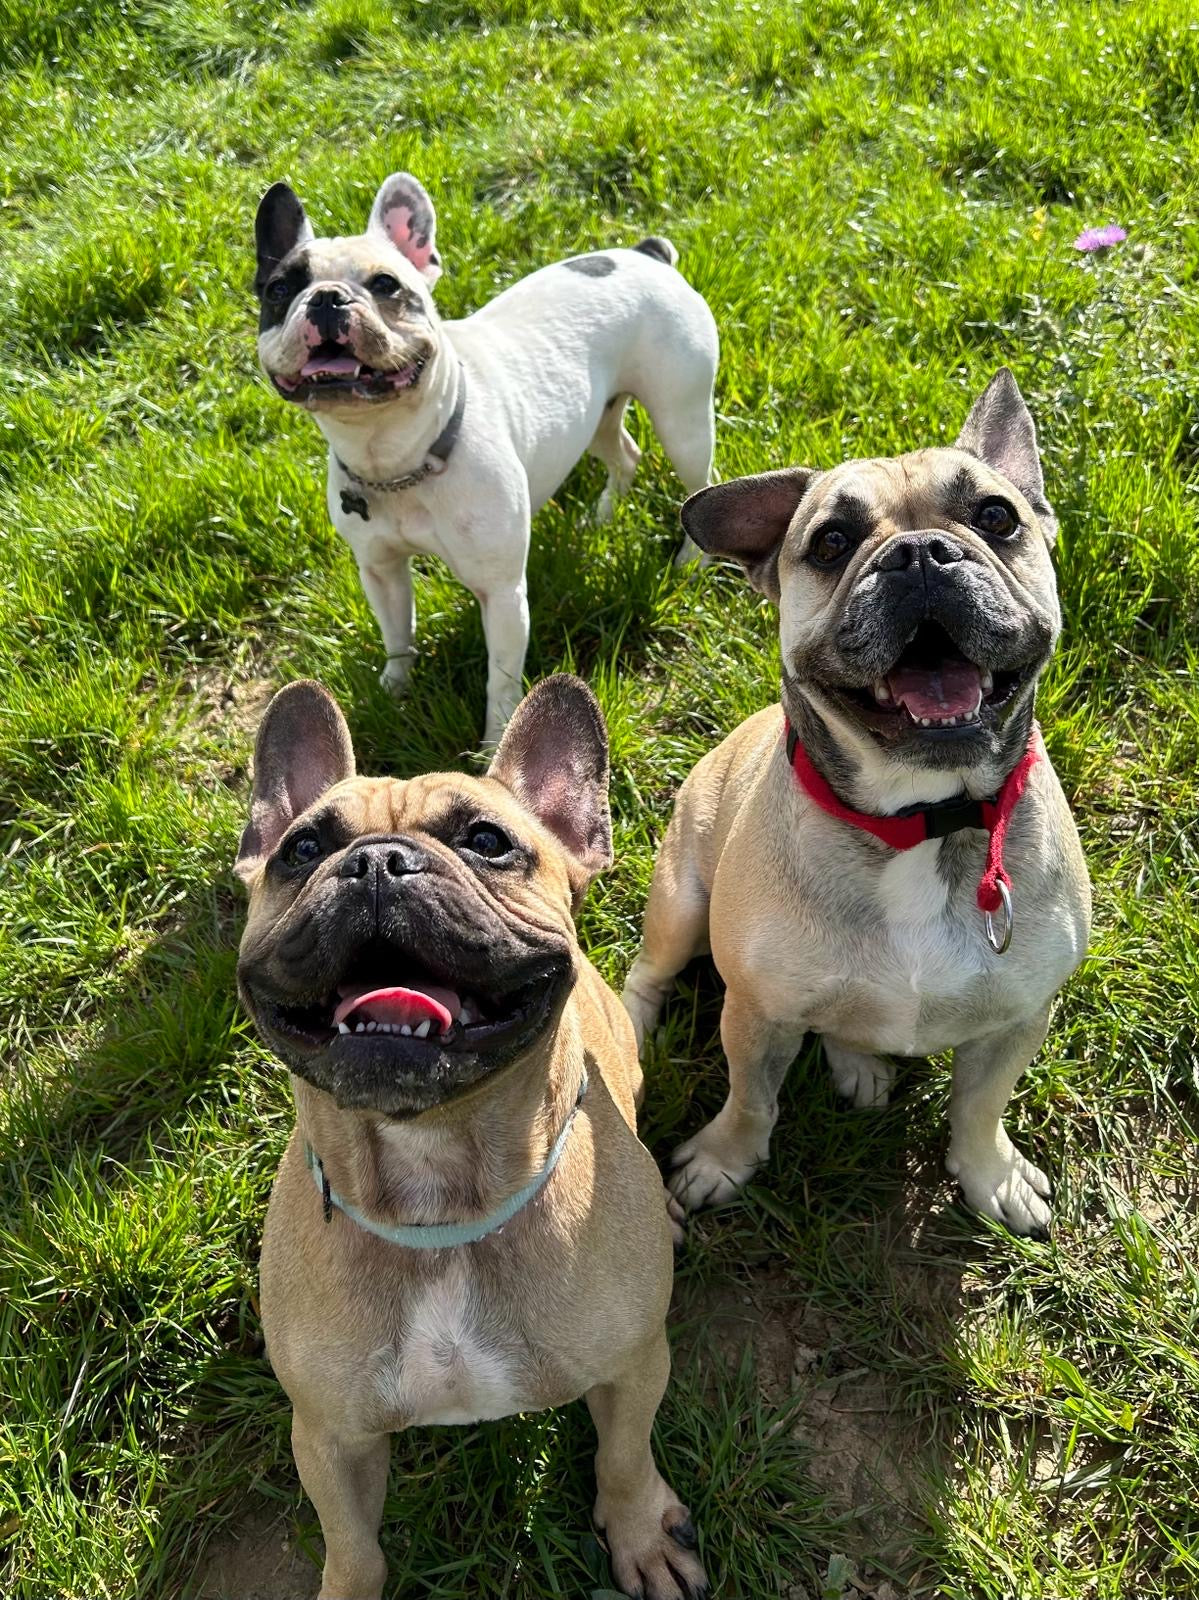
pixel 334 366
pixel 399 1006
pixel 953 689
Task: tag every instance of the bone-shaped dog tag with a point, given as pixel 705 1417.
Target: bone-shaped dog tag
pixel 355 505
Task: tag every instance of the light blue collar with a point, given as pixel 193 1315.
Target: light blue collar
pixel 446 1235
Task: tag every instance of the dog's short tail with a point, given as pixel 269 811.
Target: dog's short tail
pixel 661 250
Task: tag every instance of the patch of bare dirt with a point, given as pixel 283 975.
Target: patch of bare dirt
pixel 869 1445
pixel 229 705
pixel 257 1561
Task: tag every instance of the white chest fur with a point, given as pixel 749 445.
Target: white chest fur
pixel 445 1367
pixel 925 953
pixel 909 981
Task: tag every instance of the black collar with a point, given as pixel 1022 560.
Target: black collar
pixel 434 462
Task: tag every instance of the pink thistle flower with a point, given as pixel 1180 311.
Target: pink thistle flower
pixel 1091 239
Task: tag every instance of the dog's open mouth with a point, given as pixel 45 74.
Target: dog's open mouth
pixel 390 999
pixel 332 370
pixel 934 687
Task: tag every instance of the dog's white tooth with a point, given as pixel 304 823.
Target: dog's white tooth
pixel 343 1027
pixel 882 692
pixel 371 1027
pixel 421 1031
pixel 925 721
pixel 405 1030
pixel 987 682
pixel 361 1028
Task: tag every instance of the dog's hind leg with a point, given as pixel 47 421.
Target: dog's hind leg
pixel 675 931
pixel 648 1530
pixel 995 1178
pixel 615 446
pixel 345 1477
pixel 685 422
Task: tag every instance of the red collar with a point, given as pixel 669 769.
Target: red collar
pixel 912 827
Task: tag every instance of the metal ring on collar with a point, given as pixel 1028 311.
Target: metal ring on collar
pixel 1000 942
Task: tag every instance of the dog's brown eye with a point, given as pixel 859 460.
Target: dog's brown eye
pixel 303 849
pixel 996 518
pixel 486 840
pixel 278 290
pixel 830 545
pixel 383 284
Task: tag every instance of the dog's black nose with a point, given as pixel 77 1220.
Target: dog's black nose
pixel 920 550
pixel 328 311
pixel 381 859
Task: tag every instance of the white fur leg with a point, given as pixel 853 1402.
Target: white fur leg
pixel 506 626
pixel 862 1078
pixel 387 585
pixel 995 1178
pixel 617 449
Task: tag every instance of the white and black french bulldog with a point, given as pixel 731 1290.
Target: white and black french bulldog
pixel 445 437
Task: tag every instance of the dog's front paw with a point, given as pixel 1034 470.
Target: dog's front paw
pixel 1004 1185
pixel 653 1555
pixel 712 1167
pixel 689 553
pixel 396 674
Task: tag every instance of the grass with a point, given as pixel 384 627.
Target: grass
pixel 878 203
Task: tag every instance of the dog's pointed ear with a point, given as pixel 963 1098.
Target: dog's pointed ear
pixel 403 213
pixel 554 759
pixel 303 748
pixel 281 224
pixel 746 520
pixel 1001 432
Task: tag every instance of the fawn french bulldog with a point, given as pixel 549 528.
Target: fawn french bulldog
pixel 446 437
pixel 464 1224
pixel 888 860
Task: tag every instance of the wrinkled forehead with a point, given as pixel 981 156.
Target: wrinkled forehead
pixel 922 489
pixel 432 803
pixel 358 258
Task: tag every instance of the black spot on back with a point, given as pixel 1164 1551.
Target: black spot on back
pixel 591 266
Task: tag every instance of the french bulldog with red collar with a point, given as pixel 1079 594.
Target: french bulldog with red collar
pixel 888 859
pixel 445 437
